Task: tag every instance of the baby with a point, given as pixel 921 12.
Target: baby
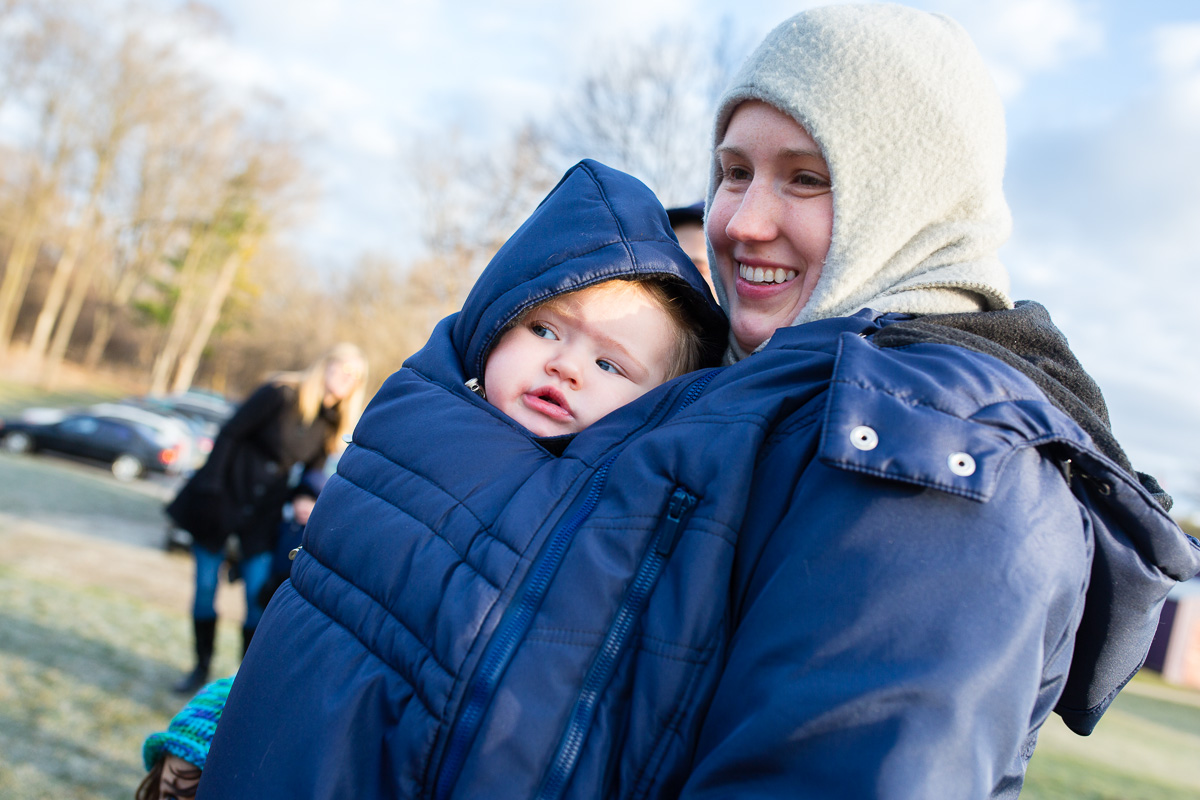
pixel 589 305
pixel 578 356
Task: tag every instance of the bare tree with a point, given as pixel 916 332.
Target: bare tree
pixel 254 202
pixel 242 229
pixel 166 183
pixel 647 109
pixel 49 65
pixel 25 26
pixel 469 204
pixel 125 88
pixel 39 198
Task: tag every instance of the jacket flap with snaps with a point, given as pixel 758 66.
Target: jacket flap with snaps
pixel 933 415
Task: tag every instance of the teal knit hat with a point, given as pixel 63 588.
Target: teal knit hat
pixel 191 730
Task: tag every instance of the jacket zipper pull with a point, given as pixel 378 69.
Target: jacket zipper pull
pixel 678 510
pixel 475 386
pixel 292 555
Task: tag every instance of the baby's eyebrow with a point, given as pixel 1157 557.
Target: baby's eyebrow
pixel 622 349
pixel 603 338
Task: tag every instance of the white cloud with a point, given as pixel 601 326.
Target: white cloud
pixel 238 70
pixel 1178 48
pixel 1105 236
pixel 1021 38
pixel 372 137
pixel 1177 52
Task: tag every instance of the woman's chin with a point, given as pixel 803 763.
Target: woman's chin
pixel 751 333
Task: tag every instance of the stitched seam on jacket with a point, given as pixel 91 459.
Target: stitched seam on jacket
pixel 396 668
pixel 455 500
pixel 437 534
pixel 793 424
pixel 907 477
pixel 591 639
pixel 909 400
pixel 616 221
pixel 484 528
pixel 729 539
pixel 1001 385
pixel 649 770
pixel 761 420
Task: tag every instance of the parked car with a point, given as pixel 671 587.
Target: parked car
pixel 207 406
pixel 127 446
pixel 203 413
pixel 168 430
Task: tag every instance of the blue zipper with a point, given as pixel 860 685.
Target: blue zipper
pixel 679 510
pixel 508 636
pixel 696 389
pixel 515 623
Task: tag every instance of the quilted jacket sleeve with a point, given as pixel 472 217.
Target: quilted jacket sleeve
pixel 891 640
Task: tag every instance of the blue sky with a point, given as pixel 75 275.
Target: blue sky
pixel 1103 101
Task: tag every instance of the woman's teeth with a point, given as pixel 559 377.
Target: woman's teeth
pixel 760 275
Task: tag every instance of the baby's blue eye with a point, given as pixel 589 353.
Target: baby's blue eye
pixel 608 366
pixel 542 331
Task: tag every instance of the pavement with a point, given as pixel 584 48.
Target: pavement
pixel 83 498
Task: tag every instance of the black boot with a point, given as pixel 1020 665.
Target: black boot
pixel 206 633
pixel 247 635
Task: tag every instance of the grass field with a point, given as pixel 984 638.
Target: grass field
pixel 17 396
pixel 92 634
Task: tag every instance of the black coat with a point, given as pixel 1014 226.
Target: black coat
pixel 242 487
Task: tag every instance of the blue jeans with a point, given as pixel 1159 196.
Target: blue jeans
pixel 208 568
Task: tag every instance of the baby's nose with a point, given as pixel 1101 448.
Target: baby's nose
pixel 566 367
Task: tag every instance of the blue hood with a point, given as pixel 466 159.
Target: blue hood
pixel 595 225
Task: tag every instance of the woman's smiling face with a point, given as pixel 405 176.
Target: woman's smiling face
pixel 771 220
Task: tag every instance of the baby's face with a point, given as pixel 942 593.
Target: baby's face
pixel 578 357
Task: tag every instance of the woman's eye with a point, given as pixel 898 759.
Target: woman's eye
pixel 608 366
pixel 737 173
pixel 542 331
pixel 812 179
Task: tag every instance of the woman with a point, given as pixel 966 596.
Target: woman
pixel 866 559
pixel 960 530
pixel 296 418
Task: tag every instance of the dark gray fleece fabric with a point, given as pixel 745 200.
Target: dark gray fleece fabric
pixel 1025 338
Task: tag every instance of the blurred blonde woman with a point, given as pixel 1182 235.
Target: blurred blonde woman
pixel 295 418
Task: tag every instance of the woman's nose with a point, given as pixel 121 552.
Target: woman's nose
pixel 754 220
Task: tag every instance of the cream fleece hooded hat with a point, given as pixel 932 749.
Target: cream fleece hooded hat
pixel 912 128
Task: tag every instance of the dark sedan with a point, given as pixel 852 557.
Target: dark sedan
pixel 129 448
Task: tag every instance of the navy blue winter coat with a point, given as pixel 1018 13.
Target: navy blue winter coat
pixel 835 569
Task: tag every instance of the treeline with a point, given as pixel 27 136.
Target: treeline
pixel 145 213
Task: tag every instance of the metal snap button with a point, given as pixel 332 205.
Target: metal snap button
pixel 864 438
pixel 962 464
